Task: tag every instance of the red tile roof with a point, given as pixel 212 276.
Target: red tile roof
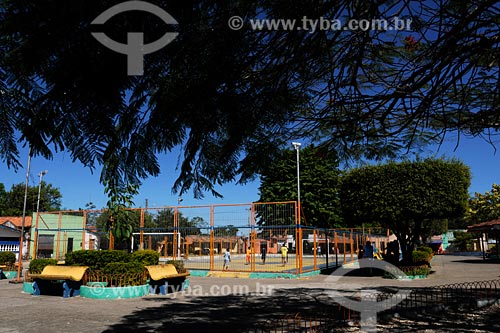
pixel 17 221
pixel 483 226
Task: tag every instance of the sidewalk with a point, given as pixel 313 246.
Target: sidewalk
pixel 222 304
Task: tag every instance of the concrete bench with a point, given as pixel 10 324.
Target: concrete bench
pixel 70 276
pixel 161 275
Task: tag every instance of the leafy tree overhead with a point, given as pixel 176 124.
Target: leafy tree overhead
pixel 319 185
pixel 12 202
pixel 484 207
pixel 230 98
pixel 406 197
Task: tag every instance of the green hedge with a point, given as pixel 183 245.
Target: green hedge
pixel 421 257
pixel 7 258
pixel 123 268
pixel 426 249
pixel 37 265
pixel 96 260
pixel 146 257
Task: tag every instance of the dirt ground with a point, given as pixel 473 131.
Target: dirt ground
pixel 241 305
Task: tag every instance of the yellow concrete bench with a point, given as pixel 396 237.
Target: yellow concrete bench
pixel 162 274
pixel 2 267
pixel 70 275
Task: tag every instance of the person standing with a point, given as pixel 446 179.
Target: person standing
pixel 247 258
pixel 263 252
pixel 227 259
pixel 284 253
pixel 368 253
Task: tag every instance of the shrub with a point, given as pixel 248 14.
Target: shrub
pixel 96 260
pixel 37 265
pixel 123 268
pixel 416 270
pixel 178 264
pixel 426 249
pixel 131 273
pixel 421 257
pixel 7 258
pixel 146 257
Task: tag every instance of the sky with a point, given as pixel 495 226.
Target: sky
pixel 79 186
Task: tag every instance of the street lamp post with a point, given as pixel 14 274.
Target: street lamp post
pixel 41 174
pixel 297 145
pixel 298 238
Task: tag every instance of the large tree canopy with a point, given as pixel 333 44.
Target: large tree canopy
pixel 406 197
pixel 319 184
pixel 228 96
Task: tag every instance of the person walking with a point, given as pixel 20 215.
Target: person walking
pixel 227 259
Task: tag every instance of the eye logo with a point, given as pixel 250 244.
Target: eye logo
pixel 135 48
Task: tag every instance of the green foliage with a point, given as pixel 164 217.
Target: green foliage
pixel 7 258
pixel 178 264
pixel 426 249
pixel 484 207
pixel 96 260
pixel 405 197
pixel 416 270
pixel 123 268
pixel 421 257
pixel 319 185
pixel 134 271
pixel 463 240
pixel 12 202
pixel 37 265
pixel 228 98
pixel 146 257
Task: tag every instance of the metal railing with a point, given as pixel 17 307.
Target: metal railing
pixel 468 294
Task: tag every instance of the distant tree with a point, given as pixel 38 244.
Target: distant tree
pixel 3 199
pixel 484 207
pixel 463 240
pixel 229 230
pixel 406 197
pixel 50 199
pixel 319 185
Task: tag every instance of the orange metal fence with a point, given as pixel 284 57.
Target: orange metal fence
pixel 253 234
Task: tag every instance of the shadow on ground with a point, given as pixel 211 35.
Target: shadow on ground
pixel 246 313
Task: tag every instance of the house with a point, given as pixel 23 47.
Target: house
pixel 10 234
pixel 58 233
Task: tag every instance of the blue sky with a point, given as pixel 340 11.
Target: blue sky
pixel 79 186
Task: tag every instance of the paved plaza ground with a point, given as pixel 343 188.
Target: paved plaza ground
pixel 231 304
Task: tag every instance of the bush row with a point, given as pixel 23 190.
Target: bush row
pixel 98 260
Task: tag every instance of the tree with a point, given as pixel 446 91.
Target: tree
pixel 319 185
pixel 484 207
pixel 3 199
pixel 233 96
pixel 50 199
pixel 405 196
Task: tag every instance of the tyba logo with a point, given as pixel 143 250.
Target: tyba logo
pixel 135 48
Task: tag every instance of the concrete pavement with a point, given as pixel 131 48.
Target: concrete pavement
pixel 210 304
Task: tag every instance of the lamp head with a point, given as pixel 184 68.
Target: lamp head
pixel 296 145
pixel 43 173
